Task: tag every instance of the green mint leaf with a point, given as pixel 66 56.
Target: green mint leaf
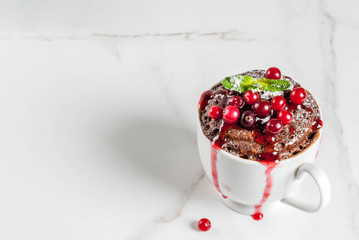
pixel 227 83
pixel 243 83
pixel 246 81
pixel 232 84
pixel 273 85
pixel 239 88
pixel 254 87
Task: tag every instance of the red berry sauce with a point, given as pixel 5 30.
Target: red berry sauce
pixel 270 165
pixel 203 101
pixel 217 144
pixel 269 158
pixel 214 151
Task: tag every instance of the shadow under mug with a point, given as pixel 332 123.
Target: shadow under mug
pixel 243 184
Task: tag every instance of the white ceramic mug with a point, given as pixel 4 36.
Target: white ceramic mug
pixel 243 182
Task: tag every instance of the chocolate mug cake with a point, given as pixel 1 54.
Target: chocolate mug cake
pixel 260 116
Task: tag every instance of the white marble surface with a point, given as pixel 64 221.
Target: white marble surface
pixel 98 107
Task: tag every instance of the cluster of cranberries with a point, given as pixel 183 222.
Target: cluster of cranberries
pixel 233 112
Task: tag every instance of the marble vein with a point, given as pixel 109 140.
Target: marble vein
pixel 225 35
pixel 176 210
pixel 231 35
pixel 170 215
pixel 331 73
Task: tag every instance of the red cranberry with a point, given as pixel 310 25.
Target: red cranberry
pixel 273 73
pixel 262 108
pixel 204 224
pixel 274 126
pixel 230 114
pixel 215 112
pixel 317 124
pixel 247 119
pixel 250 97
pixel 278 103
pixel 285 116
pixel 236 101
pixel 298 95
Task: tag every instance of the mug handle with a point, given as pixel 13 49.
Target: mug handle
pixel 322 182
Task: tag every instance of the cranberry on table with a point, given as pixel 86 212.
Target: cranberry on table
pixel 248 119
pixel 204 224
pixel 285 116
pixel 273 73
pixel 278 103
pixel 215 112
pixel 230 114
pixel 250 97
pixel 262 108
pixel 274 126
pixel 257 216
pixel 236 101
pixel 298 95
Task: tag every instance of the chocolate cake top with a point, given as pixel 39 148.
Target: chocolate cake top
pixel 260 115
